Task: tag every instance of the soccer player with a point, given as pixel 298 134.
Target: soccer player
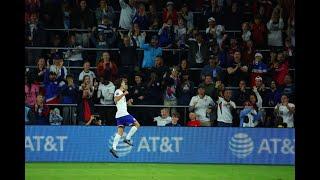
pixel 122 116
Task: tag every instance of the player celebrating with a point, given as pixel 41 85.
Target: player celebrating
pixel 122 116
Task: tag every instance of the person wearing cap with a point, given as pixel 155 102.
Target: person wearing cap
pixel 127 13
pixel 198 53
pixel 259 68
pixel 212 68
pixel 202 105
pixel 170 13
pixel 185 89
pixel 249 117
pixel 211 29
pixel 151 51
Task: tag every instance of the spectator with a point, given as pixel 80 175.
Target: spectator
pixel 87 72
pixel 55 118
pixel 105 10
pixel 171 83
pixel 106 67
pixel 183 67
pixel 275 27
pixel 154 90
pixel 202 105
pixel 214 10
pixel 170 13
pixel 236 70
pixel 280 69
pixel 198 52
pixel 38 73
pixel 291 30
pixel 31 90
pixel 40 112
pixel 259 68
pixel 181 33
pixel 141 18
pixel 225 110
pixel 82 18
pixel 28 115
pixel 249 117
pixel 288 88
pixel 194 122
pixel 248 53
pixel 57 67
pixel 273 95
pixel 69 95
pixel 286 111
pixel 128 57
pixel 85 101
pixel 137 38
pixel 259 31
pixel 260 88
pixel 187 17
pixel 74 56
pixel 138 91
pixel 241 95
pixel 52 86
pixel 192 35
pixel 234 46
pixel 212 69
pixel 246 33
pixel 154 18
pixel 185 89
pixel 164 118
pixel 233 17
pixel 150 52
pixel 166 34
pixel 105 93
pixel 289 51
pixel 209 86
pixel 127 13
pixel 211 30
pixel 66 12
pixel 174 120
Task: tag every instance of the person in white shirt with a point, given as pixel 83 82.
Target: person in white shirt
pixel 202 106
pixel 127 13
pixel 105 93
pixel 122 116
pixel 86 71
pixel 164 118
pixel 286 110
pixel 225 109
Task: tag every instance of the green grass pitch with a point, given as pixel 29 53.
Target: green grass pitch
pixel 153 171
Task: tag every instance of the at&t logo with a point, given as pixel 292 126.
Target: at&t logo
pixel 241 145
pixel 123 149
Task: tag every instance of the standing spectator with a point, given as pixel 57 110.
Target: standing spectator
pixel 259 31
pixel 275 27
pixel 40 112
pixel 150 52
pixel 194 122
pixel 198 52
pixel 128 57
pixel 225 109
pixel 85 101
pixel 127 13
pixel 171 83
pixel 289 52
pixel 83 18
pixel 164 118
pixel 137 38
pixel 106 67
pixel 87 72
pixel 31 90
pixel 241 95
pixel 73 56
pixel 246 33
pixel 51 87
pixel 57 67
pixel 105 93
pixel 166 34
pixel 66 12
pixel 214 10
pixel 291 30
pixel 212 69
pixel 105 10
pixel 202 105
pixel 273 95
pixel 170 13
pixel 187 17
pixel 174 120
pixel 288 88
pixel 260 85
pixel 141 17
pixel 211 30
pixel 248 53
pixel 154 93
pixel 249 117
pixel 233 17
pixel 259 68
pixel 184 66
pixel 280 69
pixel 209 86
pixel 69 95
pixel 138 91
pixel 55 118
pixel 236 70
pixel 185 89
pixel 286 111
pixel 180 33
pixel 38 73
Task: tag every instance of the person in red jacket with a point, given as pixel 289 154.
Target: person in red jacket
pixel 193 120
pixel 258 30
pixel 170 13
pixel 105 65
pixel 281 69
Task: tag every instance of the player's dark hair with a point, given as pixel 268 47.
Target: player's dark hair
pixel 118 82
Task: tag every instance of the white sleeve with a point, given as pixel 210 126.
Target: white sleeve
pixel 211 101
pixel 233 104
pixel 118 93
pixel 192 101
pixel 259 103
pixel 81 76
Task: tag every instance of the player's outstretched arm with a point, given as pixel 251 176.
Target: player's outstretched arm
pixel 117 98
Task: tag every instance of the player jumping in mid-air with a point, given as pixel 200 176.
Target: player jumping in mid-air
pixel 122 116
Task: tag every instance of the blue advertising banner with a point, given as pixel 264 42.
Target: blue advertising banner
pixel 162 144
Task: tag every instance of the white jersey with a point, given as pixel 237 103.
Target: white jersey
pixel 287 115
pixel 121 104
pixel 224 111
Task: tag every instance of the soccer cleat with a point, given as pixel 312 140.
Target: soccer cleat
pixel 128 142
pixel 114 153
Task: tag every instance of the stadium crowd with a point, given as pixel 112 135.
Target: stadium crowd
pixel 228 61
